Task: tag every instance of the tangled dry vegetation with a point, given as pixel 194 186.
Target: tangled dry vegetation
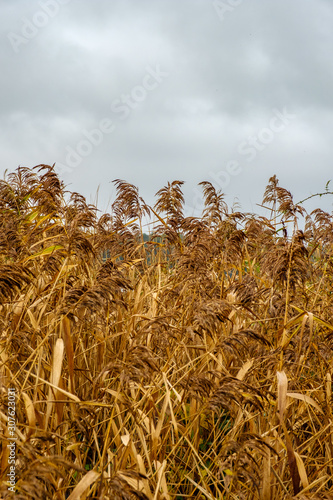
pixel 195 365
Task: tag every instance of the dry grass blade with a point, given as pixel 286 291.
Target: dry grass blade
pixel 245 368
pixel 58 355
pixel 68 342
pixel 302 471
pixel 29 406
pixel 306 399
pixel 282 393
pixel 161 482
pixel 87 480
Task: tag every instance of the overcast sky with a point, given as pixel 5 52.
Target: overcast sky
pixel 229 91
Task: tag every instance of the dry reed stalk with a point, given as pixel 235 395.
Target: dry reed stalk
pixel 282 402
pixel 58 355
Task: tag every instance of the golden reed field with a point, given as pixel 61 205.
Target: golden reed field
pixel 193 364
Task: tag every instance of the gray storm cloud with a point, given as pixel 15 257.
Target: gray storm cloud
pixel 151 91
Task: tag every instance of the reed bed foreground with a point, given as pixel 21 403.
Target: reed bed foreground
pixel 195 365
